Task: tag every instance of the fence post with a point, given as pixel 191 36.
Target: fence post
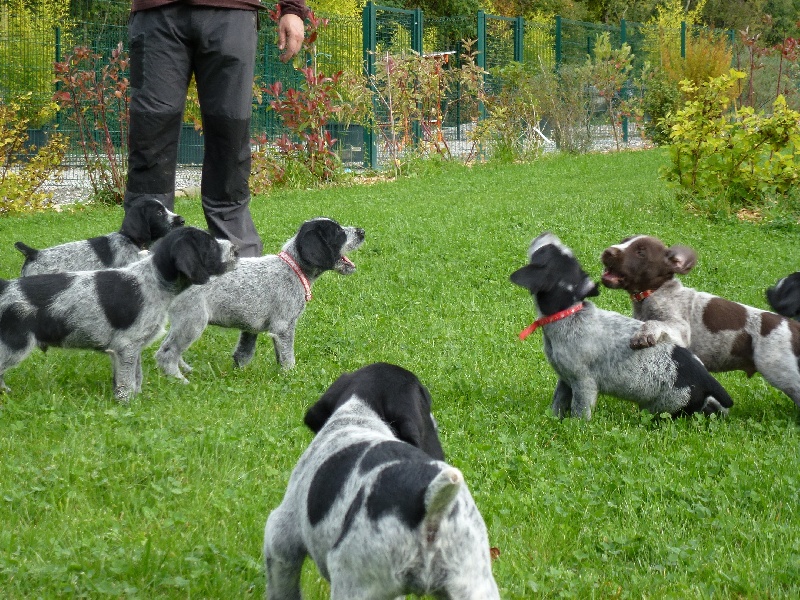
pixel 557 37
pixel 481 57
pixel 416 32
pixel 623 36
pixel 416 46
pixel 683 39
pixel 519 39
pixel 369 37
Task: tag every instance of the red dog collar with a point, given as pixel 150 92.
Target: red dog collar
pixel 549 319
pixel 639 296
pixel 297 271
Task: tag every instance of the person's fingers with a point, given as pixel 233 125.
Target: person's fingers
pixel 290 36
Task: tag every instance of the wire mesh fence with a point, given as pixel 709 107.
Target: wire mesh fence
pixel 28 48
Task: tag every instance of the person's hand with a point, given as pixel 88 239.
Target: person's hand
pixel 290 36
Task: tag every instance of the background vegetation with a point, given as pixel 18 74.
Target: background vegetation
pixel 167 496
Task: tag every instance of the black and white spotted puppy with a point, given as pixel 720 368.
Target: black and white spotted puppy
pixel 589 347
pixel 372 502
pixel 784 296
pixel 264 294
pixel 118 311
pixel 145 222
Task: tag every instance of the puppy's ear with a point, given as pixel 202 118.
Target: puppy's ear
pixel 408 412
pixel 589 289
pixel 197 256
pixel 531 277
pixel 321 411
pixel 135 224
pixel 319 243
pixel 680 259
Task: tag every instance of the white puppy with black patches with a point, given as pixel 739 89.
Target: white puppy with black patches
pixel 264 294
pixel 146 221
pixel 588 347
pixel 372 502
pixel 118 311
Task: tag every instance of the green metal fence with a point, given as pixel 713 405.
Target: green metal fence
pixel 27 51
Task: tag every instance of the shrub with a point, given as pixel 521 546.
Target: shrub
pixel 565 105
pixel 26 54
pixel 733 159
pixel 414 95
pixel 306 153
pixel 661 96
pixel 708 55
pixel 609 73
pixel 95 97
pixel 511 127
pixel 25 168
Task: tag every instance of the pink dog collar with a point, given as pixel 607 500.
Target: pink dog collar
pixel 639 296
pixel 297 271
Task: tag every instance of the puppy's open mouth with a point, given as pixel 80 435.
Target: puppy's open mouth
pixel 344 266
pixel 612 280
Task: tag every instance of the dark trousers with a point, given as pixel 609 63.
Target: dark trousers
pixel 167 45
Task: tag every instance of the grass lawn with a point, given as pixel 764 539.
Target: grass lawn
pixel 167 496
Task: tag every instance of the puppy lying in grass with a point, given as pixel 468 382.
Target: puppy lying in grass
pixel 589 347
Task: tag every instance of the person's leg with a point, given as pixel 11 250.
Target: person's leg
pixel 160 71
pixel 224 63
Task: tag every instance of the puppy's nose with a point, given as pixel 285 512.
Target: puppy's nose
pixel 179 220
pixel 360 233
pixel 609 254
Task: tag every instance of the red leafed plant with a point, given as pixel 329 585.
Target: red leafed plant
pixel 95 98
pixel 306 113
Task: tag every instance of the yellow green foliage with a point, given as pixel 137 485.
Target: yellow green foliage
pixel 729 158
pixel 27 31
pixel 24 169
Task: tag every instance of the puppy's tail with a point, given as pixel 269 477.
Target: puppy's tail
pixel 28 252
pixel 440 495
pixel 718 400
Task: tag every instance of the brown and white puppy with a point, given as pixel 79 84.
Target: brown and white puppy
pixel 725 335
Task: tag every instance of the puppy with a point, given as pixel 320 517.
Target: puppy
pixel 725 335
pixel 119 311
pixel 784 296
pixel 146 221
pixel 588 347
pixel 264 294
pixel 372 502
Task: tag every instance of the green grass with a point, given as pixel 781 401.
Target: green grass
pixel 167 496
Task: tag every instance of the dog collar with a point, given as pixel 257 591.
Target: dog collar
pixel 639 296
pixel 549 319
pixel 297 271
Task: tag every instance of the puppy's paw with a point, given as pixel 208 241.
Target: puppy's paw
pixel 184 366
pixel 643 339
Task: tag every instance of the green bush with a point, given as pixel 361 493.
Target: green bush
pixel 25 168
pixel 511 127
pixel 729 160
pixel 26 54
pixel 661 97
